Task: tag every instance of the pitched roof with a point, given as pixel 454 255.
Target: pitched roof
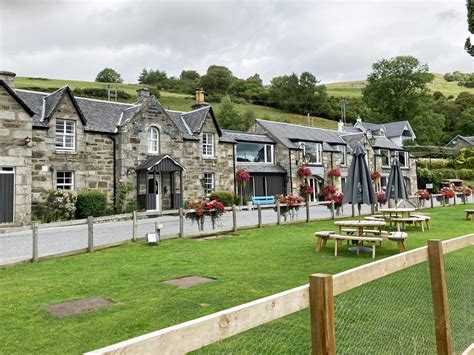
pixel 51 103
pixel 289 134
pixel 163 161
pixel 262 168
pixel 247 136
pixel 467 139
pixel 16 97
pixel 391 129
pixel 352 139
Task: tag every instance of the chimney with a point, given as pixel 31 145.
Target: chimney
pixel 358 120
pixel 340 126
pixel 200 101
pixel 142 94
pixel 8 77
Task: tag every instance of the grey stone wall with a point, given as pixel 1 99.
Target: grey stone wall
pixel 91 161
pixel 15 126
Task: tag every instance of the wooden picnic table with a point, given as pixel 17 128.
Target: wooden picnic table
pixel 396 212
pixel 469 213
pixel 360 225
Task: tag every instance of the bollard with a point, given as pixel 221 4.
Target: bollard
pixel 278 212
pixel 134 226
pixel 234 218
pixel 333 212
pixel 307 211
pixel 259 214
pixel 34 228
pixel 181 223
pixel 90 234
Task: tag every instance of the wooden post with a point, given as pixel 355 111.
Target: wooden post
pixel 455 199
pixel 463 198
pixel 278 212
pixel 432 202
pixel 353 211
pixel 321 304
pixel 259 214
pixel 134 226
pixel 181 223
pixel 307 211
pixel 440 297
pixel 444 200
pixel 34 228
pixel 333 210
pixel 234 218
pixel 90 234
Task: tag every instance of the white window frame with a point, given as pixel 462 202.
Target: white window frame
pixel 63 135
pixel 342 150
pixel 153 142
pixel 208 146
pixel 319 152
pixel 272 152
pixel 64 185
pixel 209 183
pixel 407 163
pixel 388 152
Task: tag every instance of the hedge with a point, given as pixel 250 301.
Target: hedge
pixel 91 203
pixel 227 198
pixel 432 151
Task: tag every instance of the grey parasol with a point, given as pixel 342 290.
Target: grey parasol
pixel 396 187
pixel 359 189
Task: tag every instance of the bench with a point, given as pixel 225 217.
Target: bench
pixel 424 218
pixel 359 240
pixel 263 200
pixel 408 220
pixel 469 213
pixel 322 237
pixel 398 237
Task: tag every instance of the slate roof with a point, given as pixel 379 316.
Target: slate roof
pixel 262 168
pixel 247 136
pixel 176 117
pixel 153 160
pixel 392 129
pixel 352 139
pixel 384 142
pixel 16 97
pixel 290 134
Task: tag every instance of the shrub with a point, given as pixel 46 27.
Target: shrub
pixel 58 205
pixel 426 176
pixel 100 93
pixel 227 198
pixel 91 203
pixel 123 189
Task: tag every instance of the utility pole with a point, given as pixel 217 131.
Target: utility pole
pixel 343 104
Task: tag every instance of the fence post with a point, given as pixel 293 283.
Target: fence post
pixel 234 218
pixel 90 234
pixel 278 212
pixel 463 198
pixel 307 211
pixel 455 199
pixel 259 214
pixel 34 229
pixel 181 223
pixel 432 203
pixel 134 226
pixel 353 210
pixel 321 304
pixel 333 212
pixel 444 200
pixel 440 297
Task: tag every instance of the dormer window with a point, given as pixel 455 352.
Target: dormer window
pixel 65 135
pixel 153 140
pixel 313 152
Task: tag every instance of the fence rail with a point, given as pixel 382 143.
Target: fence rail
pixel 197 333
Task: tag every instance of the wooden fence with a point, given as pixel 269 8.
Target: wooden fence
pixel 197 333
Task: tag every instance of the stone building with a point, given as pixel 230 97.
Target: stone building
pixel 461 142
pixel 57 140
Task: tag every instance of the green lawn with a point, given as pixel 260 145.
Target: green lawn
pixel 354 88
pixel 173 101
pixel 255 264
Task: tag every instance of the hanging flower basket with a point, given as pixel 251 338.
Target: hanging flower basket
pixel 375 176
pixel 303 172
pixel 381 197
pixel 423 194
pixel 336 172
pixel 306 190
pixel 242 176
pixel 291 204
pixel 204 207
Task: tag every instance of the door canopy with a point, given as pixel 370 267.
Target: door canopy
pixel 160 163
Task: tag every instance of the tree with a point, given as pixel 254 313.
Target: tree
pixel 108 75
pixel 465 125
pixel 189 75
pixel 470 25
pixel 217 80
pixel 229 117
pixel 153 77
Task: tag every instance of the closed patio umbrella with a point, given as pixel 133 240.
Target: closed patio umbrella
pixel 359 189
pixel 396 187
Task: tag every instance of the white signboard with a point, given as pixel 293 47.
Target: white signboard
pixel 151 238
pixel 429 186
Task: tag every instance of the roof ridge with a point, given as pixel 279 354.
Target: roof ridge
pixel 56 91
pixel 298 125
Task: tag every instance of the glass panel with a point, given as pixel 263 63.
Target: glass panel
pixel 252 152
pixel 269 154
pixel 313 152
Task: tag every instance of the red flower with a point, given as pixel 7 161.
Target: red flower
pixel 334 172
pixel 242 176
pixel 303 171
pixel 375 175
pixel 423 194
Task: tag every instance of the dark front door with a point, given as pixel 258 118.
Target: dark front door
pixel 6 195
pixel 275 185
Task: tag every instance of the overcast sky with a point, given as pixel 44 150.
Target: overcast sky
pixel 335 40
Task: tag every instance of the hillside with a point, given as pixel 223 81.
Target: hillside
pixel 354 88
pixel 171 100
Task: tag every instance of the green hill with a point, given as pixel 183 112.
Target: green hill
pixel 354 88
pixel 173 101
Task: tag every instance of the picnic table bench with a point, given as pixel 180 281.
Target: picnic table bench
pixel 358 239
pixel 407 220
pixel 469 213
pixel 263 200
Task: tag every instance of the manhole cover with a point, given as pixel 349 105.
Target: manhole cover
pixel 188 281
pixel 71 308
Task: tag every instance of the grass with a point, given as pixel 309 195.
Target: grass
pixel 354 88
pixel 257 263
pixel 173 101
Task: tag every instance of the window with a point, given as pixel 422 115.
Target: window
pixel 342 156
pixel 65 180
pixel 385 153
pixel 312 151
pixel 254 153
pixel 343 184
pixel 403 159
pixel 208 145
pixel 383 182
pixel 65 135
pixel 208 183
pixel 153 140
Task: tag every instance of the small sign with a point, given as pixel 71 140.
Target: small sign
pixel 152 238
pixel 429 186
pixel 45 168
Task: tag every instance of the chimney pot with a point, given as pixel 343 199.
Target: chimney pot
pixel 8 77
pixel 340 126
pixel 142 94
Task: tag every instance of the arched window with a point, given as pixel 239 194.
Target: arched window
pixel 153 140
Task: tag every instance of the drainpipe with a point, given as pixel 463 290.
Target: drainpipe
pixel 291 175
pixel 233 162
pixel 114 184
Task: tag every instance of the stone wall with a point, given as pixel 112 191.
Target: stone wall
pixel 91 161
pixel 15 126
